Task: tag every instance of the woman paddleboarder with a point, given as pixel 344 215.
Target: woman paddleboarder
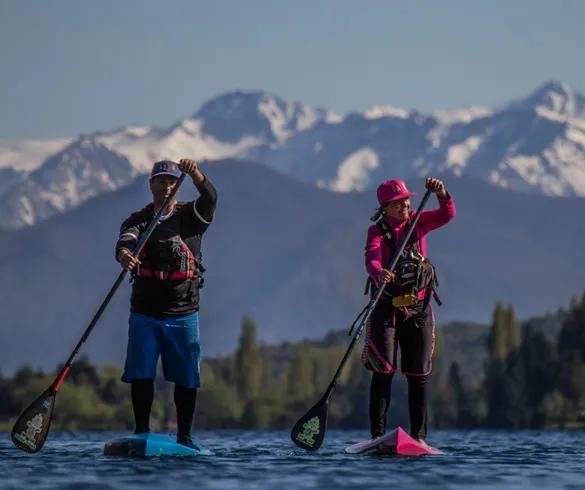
pixel 403 316
pixel 165 293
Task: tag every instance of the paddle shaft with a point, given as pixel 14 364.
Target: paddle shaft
pixel 141 243
pixel 374 301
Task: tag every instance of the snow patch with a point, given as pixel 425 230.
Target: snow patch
pixel 353 172
pixel 332 118
pixel 307 118
pixel 137 131
pixel 576 136
pixel 530 168
pixel 564 103
pixel 436 135
pixel 278 119
pixel 192 126
pixel 551 115
pixel 285 120
pixel 496 177
pixel 379 111
pixel 462 115
pixel 26 210
pixel 566 160
pixel 457 155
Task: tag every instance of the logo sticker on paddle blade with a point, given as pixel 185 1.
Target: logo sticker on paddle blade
pixel 33 427
pixel 310 429
pixel 30 429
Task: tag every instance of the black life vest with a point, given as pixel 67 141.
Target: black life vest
pixel 168 257
pixel 413 272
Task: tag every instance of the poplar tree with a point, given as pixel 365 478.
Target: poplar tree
pixel 498 338
pixel 248 361
pixel 513 329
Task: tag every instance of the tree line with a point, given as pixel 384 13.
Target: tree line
pixel 533 378
pixel 530 379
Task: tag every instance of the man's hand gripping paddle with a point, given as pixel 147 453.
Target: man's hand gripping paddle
pixel 32 427
pixel 309 431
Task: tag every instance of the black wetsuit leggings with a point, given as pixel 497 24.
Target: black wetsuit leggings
pixel 142 396
pixel 380 390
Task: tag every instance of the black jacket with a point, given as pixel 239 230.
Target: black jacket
pixel 185 225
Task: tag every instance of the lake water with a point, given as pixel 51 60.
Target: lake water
pixel 247 459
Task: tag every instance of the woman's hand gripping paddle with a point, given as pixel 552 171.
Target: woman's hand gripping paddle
pixel 309 432
pixel 32 427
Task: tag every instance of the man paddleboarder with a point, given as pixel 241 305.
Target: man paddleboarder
pixel 403 317
pixel 166 277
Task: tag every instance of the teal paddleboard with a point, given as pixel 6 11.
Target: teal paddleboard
pixel 152 445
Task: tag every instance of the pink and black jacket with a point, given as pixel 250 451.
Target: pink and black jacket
pixel 377 254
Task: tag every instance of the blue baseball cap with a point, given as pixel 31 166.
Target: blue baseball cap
pixel 165 167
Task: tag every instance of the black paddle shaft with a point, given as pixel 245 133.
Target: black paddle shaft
pixel 141 243
pixel 374 301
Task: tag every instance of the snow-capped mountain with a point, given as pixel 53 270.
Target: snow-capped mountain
pixel 27 155
pixel 536 144
pixel 82 170
pixel 267 119
pixel 557 100
pixel 532 145
pixel 226 126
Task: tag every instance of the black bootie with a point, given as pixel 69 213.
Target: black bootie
pixel 142 392
pixel 185 400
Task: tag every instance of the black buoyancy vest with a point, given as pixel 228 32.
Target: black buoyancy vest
pixel 168 257
pixel 413 271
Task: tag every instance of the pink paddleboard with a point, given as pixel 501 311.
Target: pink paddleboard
pixel 397 441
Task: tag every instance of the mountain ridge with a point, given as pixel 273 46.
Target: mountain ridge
pixel 535 144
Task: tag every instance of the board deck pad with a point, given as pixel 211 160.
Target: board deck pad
pixel 152 445
pixel 397 442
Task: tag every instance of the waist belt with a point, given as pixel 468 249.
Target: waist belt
pixel 163 275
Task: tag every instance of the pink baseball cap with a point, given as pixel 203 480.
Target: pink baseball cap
pixel 393 190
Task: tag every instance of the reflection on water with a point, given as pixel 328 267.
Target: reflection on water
pixel 473 459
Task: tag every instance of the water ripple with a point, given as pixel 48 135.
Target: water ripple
pixel 254 460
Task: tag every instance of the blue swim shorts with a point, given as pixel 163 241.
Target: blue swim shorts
pixel 175 339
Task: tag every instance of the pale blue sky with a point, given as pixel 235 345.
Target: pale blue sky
pixel 77 66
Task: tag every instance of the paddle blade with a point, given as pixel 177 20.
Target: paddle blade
pixel 309 432
pixel 30 430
